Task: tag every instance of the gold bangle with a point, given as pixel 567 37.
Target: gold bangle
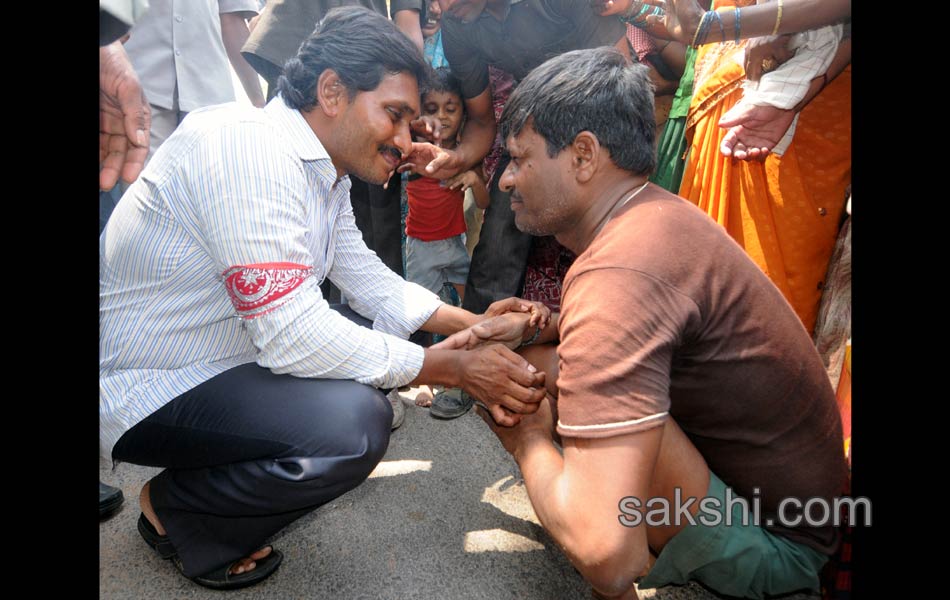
pixel 699 28
pixel 778 18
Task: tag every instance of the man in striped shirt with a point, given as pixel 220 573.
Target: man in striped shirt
pixel 219 358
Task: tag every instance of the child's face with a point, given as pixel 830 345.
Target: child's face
pixel 433 19
pixel 447 108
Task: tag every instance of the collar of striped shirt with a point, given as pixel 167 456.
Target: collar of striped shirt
pixel 303 140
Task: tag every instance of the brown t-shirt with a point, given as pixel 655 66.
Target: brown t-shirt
pixel 664 315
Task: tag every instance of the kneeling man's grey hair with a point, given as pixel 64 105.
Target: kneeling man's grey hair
pixel 594 90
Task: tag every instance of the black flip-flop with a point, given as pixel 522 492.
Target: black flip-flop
pixel 220 578
pixel 159 543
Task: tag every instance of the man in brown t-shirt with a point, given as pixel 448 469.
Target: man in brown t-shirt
pixel 678 373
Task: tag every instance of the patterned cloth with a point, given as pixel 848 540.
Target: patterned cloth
pixel 548 263
pixel 502 83
pixel 214 257
pixel 836 575
pixel 787 85
pixel 432 50
pixel 640 41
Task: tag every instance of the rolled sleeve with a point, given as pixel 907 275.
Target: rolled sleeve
pixel 406 310
pixel 398 5
pixel 233 6
pixel 306 338
pixel 468 64
pixel 787 86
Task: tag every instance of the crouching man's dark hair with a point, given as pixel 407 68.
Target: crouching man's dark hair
pixel 360 45
pixel 592 90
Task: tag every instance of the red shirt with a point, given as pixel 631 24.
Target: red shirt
pixel 435 212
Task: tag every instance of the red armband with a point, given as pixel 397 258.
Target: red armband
pixel 260 288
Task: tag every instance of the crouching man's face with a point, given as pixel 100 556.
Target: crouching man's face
pixel 540 186
pixel 373 133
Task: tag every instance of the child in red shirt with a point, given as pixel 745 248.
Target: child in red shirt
pixel 435 225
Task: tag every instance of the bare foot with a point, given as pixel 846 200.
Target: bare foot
pixel 651 560
pixel 424 397
pixel 247 564
pixel 242 566
pixel 145 502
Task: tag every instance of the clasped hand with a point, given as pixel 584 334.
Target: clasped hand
pixel 505 382
pixel 508 322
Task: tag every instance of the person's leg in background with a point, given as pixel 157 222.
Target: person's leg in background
pixel 498 262
pixel 377 213
pixel 164 123
pixel 451 403
pixel 473 223
pixel 268 71
pixel 424 264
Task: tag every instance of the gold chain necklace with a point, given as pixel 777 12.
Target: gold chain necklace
pixel 621 205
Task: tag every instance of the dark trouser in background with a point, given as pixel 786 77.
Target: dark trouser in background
pixel 499 259
pixel 248 452
pixel 378 218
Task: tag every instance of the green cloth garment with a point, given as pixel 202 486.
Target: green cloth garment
pixel 671 148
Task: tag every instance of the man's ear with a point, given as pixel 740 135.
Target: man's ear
pixel 332 96
pixel 586 151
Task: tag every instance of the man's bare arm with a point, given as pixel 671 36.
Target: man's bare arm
pixel 234 32
pixel 682 17
pixel 507 383
pixel 407 21
pixel 577 496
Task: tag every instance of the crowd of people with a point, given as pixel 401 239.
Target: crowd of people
pixel 609 225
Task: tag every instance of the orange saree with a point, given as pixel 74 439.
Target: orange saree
pixel 784 212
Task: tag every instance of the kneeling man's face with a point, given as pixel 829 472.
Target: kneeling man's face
pixel 374 131
pixel 538 185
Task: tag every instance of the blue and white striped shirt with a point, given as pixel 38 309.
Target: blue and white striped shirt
pixel 213 259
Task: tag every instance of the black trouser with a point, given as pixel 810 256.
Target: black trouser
pixel 248 452
pixel 378 217
pixel 500 257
